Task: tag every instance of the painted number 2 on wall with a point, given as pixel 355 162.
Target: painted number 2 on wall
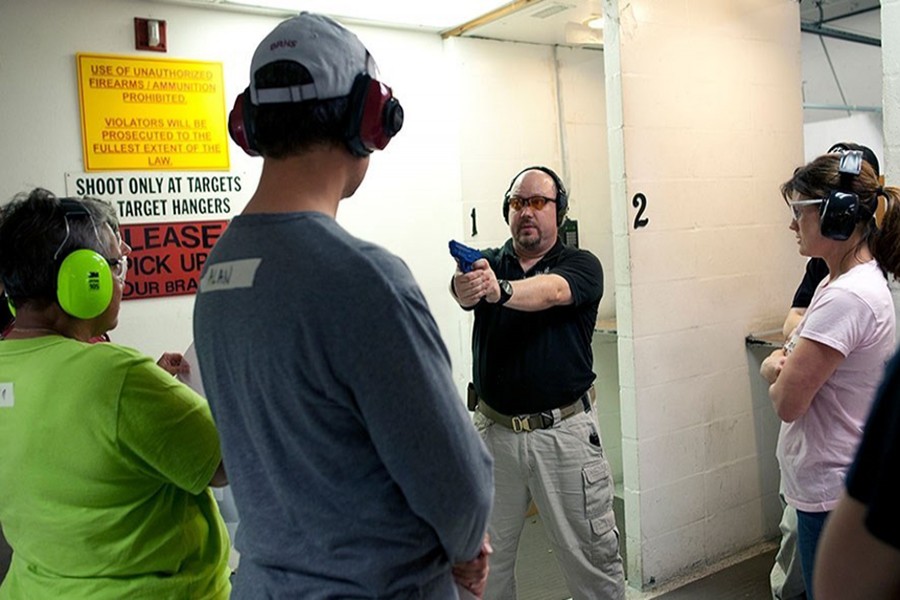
pixel 640 202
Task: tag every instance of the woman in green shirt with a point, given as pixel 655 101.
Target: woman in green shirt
pixel 105 459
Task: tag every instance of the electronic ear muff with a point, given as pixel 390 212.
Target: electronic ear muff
pixel 840 211
pixel 562 195
pixel 84 280
pixel 374 116
pixel 240 123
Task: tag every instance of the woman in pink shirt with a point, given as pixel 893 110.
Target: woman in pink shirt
pixel 824 379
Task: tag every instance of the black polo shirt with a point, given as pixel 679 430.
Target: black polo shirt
pixel 528 362
pixel 872 479
pixel 816 271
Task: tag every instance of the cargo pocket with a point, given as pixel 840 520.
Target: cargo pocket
pixel 598 496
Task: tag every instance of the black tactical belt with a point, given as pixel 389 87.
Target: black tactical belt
pixel 541 420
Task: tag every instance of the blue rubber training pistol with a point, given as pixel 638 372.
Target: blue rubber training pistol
pixel 464 255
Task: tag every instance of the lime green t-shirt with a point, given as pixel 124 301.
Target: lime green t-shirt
pixel 105 461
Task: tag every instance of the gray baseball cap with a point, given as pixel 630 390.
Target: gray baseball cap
pixel 331 53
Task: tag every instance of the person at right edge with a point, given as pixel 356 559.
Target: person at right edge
pixel 535 301
pixel 355 468
pixel 786 577
pixel 859 555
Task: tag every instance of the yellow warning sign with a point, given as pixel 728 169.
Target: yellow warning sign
pixel 147 114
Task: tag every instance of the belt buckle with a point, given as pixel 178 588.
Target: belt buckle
pixel 519 424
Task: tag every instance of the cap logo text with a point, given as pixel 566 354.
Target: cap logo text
pixel 283 44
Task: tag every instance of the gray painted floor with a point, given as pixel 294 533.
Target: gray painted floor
pixel 537 574
pixel 747 580
pixel 539 577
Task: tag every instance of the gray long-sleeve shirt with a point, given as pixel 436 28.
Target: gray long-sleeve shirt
pixel 355 468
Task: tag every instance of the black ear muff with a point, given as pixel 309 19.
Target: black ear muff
pixel 241 121
pixel 84 280
pixel 562 194
pixel 374 116
pixel 841 210
pixel 839 216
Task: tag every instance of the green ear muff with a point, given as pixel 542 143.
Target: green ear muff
pixel 84 286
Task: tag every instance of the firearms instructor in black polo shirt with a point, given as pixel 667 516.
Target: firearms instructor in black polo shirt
pixel 535 301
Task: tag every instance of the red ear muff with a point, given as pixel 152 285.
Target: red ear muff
pixel 375 116
pixel 240 124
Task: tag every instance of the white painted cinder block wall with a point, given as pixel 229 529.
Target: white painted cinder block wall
pixel 705 121
pixel 890 49
pixel 890 59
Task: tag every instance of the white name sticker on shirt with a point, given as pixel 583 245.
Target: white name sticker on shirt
pixel 231 275
pixel 7 399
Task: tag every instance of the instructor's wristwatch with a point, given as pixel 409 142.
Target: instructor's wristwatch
pixel 506 291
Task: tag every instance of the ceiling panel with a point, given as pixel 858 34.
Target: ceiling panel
pixel 834 9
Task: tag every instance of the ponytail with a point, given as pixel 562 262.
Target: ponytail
pixel 884 242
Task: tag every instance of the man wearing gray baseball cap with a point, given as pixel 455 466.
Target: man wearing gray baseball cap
pixel 355 467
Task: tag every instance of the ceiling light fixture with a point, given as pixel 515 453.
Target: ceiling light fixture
pixel 594 22
pixel 594 19
pixel 551 9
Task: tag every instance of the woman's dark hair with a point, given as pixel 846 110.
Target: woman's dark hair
pixel 281 130
pixel 822 176
pixel 34 241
